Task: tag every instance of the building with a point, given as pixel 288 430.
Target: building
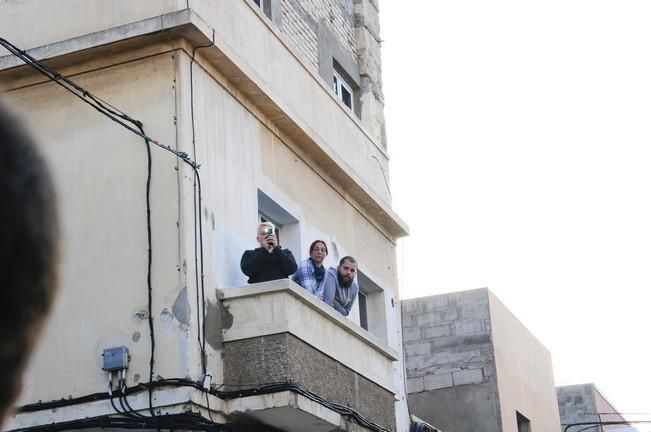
pixel 472 366
pixel 584 403
pixel 279 105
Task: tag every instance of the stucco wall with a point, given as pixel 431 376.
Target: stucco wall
pixel 100 173
pixel 96 162
pixel 525 376
pixel 34 23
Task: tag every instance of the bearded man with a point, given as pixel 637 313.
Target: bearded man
pixel 340 289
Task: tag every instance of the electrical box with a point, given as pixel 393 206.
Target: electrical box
pixel 115 359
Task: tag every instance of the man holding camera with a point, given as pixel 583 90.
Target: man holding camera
pixel 269 261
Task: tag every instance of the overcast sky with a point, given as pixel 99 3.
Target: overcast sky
pixel 520 141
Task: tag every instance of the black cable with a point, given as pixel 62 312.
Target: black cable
pixel 186 421
pixel 129 408
pixel 604 423
pixel 386 182
pixel 88 98
pixel 150 318
pixel 225 395
pixel 201 327
pixel 589 427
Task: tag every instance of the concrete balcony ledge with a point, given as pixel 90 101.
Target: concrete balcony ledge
pixel 282 306
pixel 281 333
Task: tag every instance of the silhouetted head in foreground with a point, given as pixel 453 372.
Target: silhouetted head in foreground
pixel 29 240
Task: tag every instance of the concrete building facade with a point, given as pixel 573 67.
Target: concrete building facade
pixel 473 367
pixel 244 89
pixel 583 403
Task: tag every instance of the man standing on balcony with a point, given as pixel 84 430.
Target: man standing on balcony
pixel 269 261
pixel 340 289
pixel 311 272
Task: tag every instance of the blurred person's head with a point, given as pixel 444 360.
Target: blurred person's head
pixel 28 252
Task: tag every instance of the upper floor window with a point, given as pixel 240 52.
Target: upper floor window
pixel 287 229
pixel 343 90
pixel 524 425
pixel 265 6
pixel 371 306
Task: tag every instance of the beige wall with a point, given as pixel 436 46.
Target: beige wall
pixel 34 23
pixel 267 60
pixel 100 170
pixel 525 378
pixel 100 173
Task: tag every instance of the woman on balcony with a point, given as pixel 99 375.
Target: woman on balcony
pixel 311 272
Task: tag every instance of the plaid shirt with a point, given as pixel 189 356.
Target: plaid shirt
pixel 304 276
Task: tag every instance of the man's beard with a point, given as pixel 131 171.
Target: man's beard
pixel 343 282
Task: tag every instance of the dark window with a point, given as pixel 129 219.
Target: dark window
pixel 363 311
pixel 524 425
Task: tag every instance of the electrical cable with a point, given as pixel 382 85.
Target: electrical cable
pixel 201 328
pixel 119 117
pixel 224 395
pixel 605 423
pixel 186 421
pixel 588 428
pixel 88 98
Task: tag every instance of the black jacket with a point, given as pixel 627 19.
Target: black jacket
pixel 261 266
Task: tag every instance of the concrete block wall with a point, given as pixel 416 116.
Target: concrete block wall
pixel 583 403
pixel 299 24
pixel 576 403
pixel 301 31
pixel 355 26
pixel 447 341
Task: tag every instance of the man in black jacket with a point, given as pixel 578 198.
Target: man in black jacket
pixel 269 261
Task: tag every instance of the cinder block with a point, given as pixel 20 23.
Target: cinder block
pixel 411 334
pixel 415 385
pixel 474 297
pixel 435 302
pixel 475 311
pixel 436 317
pixel 473 376
pixel 417 349
pixel 408 320
pixel 436 331
pixel 433 382
pixel 415 363
pixel 468 327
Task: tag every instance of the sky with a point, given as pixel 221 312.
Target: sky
pixel 520 143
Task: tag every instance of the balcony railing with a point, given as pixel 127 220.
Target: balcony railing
pixel 281 333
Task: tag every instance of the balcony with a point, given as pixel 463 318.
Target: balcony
pixel 281 333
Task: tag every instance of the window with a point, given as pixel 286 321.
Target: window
pixel 524 425
pixel 363 310
pixel 371 307
pixel 343 89
pixel 265 6
pixel 287 227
